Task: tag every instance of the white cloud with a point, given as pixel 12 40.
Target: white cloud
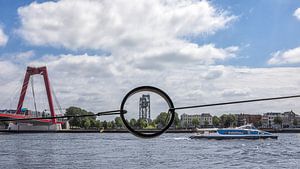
pixel 99 83
pixel 291 56
pixel 297 13
pixel 8 70
pixel 148 44
pixel 213 74
pixel 105 24
pixel 3 37
pixel 235 92
pixel 137 31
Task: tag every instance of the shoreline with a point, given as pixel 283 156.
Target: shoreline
pixel 290 130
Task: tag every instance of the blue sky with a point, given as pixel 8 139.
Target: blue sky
pixel 198 51
pixel 265 25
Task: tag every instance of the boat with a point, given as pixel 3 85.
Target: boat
pixel 242 132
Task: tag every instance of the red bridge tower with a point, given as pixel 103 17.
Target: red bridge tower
pixel 33 71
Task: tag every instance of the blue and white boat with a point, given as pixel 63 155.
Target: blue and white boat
pixel 242 132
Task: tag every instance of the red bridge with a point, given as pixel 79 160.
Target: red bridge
pixel 19 113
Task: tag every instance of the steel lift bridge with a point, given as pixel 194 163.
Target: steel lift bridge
pixel 22 113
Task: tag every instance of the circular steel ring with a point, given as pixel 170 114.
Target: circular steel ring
pixel 154 90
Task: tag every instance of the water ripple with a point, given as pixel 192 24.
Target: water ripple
pixel 94 150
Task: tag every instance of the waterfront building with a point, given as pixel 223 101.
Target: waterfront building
pixel 297 119
pixel 243 119
pixel 268 119
pixel 204 119
pixel 289 119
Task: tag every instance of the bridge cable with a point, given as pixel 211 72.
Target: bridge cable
pixel 33 94
pixel 56 100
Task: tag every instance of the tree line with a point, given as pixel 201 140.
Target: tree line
pixel 117 123
pixel 225 120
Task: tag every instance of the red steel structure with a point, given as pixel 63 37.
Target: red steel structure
pixel 35 71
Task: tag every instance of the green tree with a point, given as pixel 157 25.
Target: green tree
pixel 86 123
pixel 98 124
pixel 152 125
pixel 223 120
pixel 118 122
pixel 176 120
pixel 141 123
pixel 113 124
pixel 162 119
pixel 104 124
pixel 76 111
pixel 195 122
pixel 93 122
pixel 216 121
pixel 109 125
pixel 132 122
pixel 228 120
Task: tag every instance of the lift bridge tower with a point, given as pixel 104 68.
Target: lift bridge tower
pixel 144 107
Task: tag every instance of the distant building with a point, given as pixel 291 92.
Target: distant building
pixel 205 120
pixel 243 119
pixel 288 119
pixel 268 119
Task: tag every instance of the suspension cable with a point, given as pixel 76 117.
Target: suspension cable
pixel 11 98
pixel 56 100
pixel 33 94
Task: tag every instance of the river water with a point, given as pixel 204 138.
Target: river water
pixel 110 150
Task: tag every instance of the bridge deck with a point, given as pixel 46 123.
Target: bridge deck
pixel 20 117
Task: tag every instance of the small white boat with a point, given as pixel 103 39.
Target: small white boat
pixel 243 132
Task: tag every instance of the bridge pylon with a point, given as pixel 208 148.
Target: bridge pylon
pixel 35 71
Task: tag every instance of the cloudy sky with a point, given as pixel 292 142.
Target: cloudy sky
pixel 196 51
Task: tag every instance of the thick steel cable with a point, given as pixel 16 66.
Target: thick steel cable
pixel 236 102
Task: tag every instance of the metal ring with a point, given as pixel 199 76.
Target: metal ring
pixel 154 90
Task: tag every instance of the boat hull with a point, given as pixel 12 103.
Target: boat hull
pixel 250 137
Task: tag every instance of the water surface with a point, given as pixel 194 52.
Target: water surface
pixel 110 150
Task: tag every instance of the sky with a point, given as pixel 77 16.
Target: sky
pixel 196 51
